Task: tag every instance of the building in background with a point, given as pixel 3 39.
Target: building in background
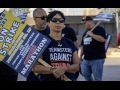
pixel 92 11
pixel 74 16
pixel 66 11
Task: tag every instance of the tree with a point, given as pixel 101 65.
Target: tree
pixel 50 9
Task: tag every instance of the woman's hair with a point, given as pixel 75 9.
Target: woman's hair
pixel 53 13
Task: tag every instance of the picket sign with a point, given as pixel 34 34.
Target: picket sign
pixel 106 15
pixel 20 13
pixel 93 28
pixel 47 65
pixel 20 45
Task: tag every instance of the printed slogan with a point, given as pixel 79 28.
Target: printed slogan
pixel 20 45
pixel 60 56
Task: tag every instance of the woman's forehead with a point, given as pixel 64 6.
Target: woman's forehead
pixel 57 16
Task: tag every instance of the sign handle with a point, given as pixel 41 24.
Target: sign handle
pixel 93 28
pixel 47 65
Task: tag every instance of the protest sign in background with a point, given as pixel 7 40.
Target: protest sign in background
pixel 107 42
pixel 21 13
pixel 20 45
pixel 106 15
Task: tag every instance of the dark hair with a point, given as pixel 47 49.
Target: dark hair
pixel 53 13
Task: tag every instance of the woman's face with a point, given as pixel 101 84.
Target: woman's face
pixel 57 23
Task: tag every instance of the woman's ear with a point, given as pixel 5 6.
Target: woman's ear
pixel 48 23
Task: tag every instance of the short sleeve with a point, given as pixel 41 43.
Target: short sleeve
pixel 72 45
pixel 101 31
pixel 74 48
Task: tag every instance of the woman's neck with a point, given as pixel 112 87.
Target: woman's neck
pixel 56 35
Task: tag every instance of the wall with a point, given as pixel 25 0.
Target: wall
pixel 74 22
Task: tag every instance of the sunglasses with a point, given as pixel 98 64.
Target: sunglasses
pixel 61 20
pixel 43 18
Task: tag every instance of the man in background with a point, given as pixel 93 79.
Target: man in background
pixel 93 49
pixel 40 18
pixel 69 33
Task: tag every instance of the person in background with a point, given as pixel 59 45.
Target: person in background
pixel 40 18
pixel 7 73
pixel 61 53
pixel 93 49
pixel 118 41
pixel 69 33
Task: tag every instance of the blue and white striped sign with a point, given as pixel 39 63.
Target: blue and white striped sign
pixel 107 42
pixel 106 15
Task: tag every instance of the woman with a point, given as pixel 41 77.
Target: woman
pixel 61 53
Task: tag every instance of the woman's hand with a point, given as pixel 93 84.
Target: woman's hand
pixel 59 71
pixel 64 77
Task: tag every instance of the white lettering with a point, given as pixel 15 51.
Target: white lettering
pixel 11 35
pixel 3 52
pixel 13 30
pixel 4 31
pixel 16 24
pixel 8 40
pixel 1 38
pixel 5 46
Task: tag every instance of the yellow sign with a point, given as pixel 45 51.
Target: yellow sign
pixel 10 29
pixel 18 11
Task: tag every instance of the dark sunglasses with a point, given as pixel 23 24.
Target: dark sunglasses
pixel 61 20
pixel 43 18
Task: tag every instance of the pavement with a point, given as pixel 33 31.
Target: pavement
pixel 111 69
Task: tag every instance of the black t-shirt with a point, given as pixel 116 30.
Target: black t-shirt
pixel 55 55
pixel 93 49
pixel 69 33
pixel 31 76
pixel 45 32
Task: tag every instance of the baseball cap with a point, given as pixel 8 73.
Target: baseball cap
pixel 86 18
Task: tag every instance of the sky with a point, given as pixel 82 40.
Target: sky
pixel 72 11
pixel 1 9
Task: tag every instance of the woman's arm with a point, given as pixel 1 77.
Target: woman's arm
pixel 38 68
pixel 75 66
